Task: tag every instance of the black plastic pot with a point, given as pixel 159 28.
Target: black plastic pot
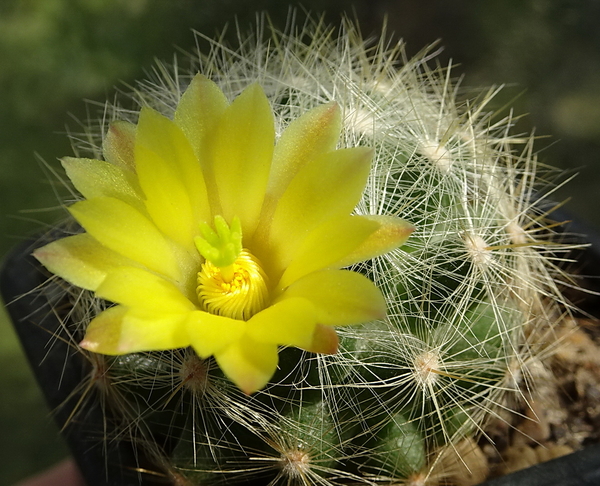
pixel 60 371
pixel 582 468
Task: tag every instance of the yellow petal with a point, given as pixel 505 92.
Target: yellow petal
pixel 167 203
pixel 104 332
pixel 340 297
pixel 94 178
pixel 327 244
pixel 242 155
pixel 249 364
pixel 199 111
pixel 325 340
pixel 80 260
pixel 138 288
pixel 392 233
pixel 306 138
pixel 210 334
pixel 118 145
pixel 144 330
pixel 198 115
pixel 329 186
pixel 125 230
pixel 290 322
pixel 120 330
pixel 171 178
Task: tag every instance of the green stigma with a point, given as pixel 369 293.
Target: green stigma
pixel 223 246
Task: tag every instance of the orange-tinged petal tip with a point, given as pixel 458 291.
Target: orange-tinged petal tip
pixel 391 234
pixel 118 146
pixel 393 231
pixel 325 340
pixel 89 345
pixel 104 332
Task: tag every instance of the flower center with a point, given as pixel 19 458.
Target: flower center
pixel 238 297
pixel 231 282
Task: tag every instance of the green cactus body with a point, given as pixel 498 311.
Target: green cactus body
pixel 396 448
pixel 465 295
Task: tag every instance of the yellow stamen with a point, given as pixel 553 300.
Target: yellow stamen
pixel 238 291
pixel 228 272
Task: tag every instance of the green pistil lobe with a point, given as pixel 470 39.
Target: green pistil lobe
pixel 223 246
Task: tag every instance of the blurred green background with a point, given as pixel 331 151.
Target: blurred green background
pixel 54 53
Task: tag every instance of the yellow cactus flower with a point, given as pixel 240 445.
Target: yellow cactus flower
pixel 206 233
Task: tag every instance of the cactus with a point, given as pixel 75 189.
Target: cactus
pixel 472 296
